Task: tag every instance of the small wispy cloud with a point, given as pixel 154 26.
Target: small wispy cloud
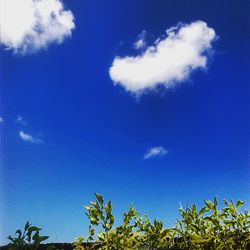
pixel 155 152
pixel 30 25
pixel 29 138
pixel 169 61
pixel 21 120
pixel 140 42
pixel 1 119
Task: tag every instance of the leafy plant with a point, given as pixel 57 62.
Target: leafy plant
pixel 127 236
pixel 30 238
pixel 155 236
pixel 211 228
pixel 99 214
pixel 78 244
pixel 207 228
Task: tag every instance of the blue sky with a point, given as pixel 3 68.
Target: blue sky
pixel 68 130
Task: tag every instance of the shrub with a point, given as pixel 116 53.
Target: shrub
pixel 207 228
pixel 29 239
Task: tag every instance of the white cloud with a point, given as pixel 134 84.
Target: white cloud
pixel 20 120
pixel 1 119
pixel 140 43
pixel 169 61
pixel 29 138
pixel 29 25
pixel 155 152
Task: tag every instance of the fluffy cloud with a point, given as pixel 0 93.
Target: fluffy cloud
pixel 29 25
pixel 169 61
pixel 155 152
pixel 29 138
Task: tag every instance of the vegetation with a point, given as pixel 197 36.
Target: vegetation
pixel 204 229
pixel 30 238
pixel 207 228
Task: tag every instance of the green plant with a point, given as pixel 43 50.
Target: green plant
pixel 211 228
pixel 155 236
pixel 30 238
pixel 208 228
pixel 99 214
pixel 78 244
pixel 127 235
pixel 123 237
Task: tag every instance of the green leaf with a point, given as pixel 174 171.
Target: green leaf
pixel 108 208
pixel 34 229
pixel 27 225
pixel 43 238
pixel 215 201
pixel 99 198
pixel 203 210
pixel 36 238
pixel 88 207
pixel 94 221
pixel 240 204
pixel 19 232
